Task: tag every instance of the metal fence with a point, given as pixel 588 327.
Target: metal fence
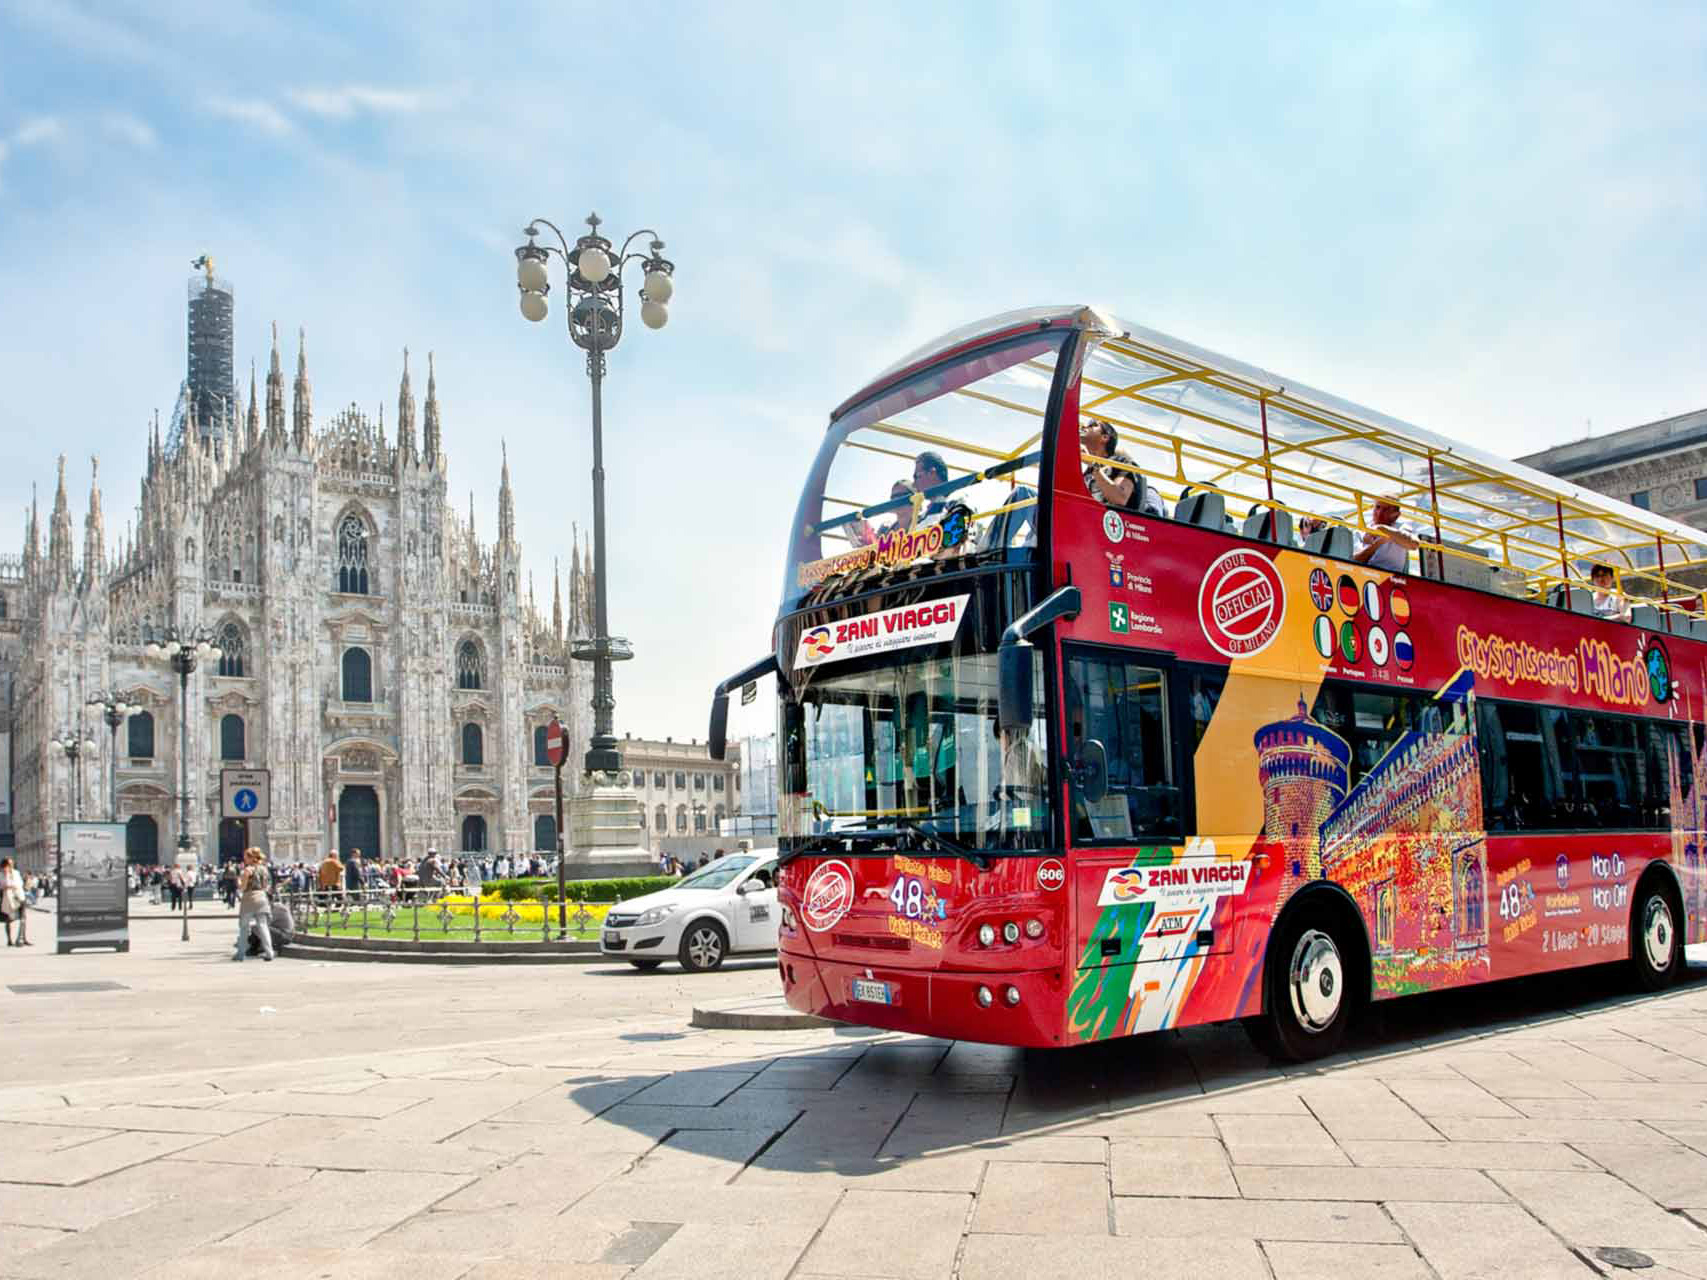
pixel 445 913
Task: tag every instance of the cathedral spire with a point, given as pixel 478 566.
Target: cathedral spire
pixel 405 415
pixel 32 540
pixel 302 403
pixel 556 603
pixel 506 502
pixel 275 396
pixel 94 528
pixel 252 426
pixel 432 447
pixel 59 534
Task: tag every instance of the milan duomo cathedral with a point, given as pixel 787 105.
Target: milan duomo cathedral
pixel 387 666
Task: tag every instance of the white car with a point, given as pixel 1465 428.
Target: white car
pixel 726 908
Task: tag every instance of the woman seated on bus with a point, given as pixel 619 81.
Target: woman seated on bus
pixel 1608 603
pixel 1389 542
pixel 1113 487
pixel 862 534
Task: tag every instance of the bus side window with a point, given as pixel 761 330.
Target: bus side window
pixel 1520 769
pixel 1205 689
pixel 1124 705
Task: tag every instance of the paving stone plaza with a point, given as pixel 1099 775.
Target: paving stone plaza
pixel 183 1116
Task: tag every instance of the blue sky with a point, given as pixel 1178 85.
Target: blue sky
pixel 1488 219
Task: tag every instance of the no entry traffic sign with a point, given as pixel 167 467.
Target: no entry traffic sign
pixel 556 743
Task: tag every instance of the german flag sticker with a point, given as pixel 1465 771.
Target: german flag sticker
pixel 1324 635
pixel 1351 598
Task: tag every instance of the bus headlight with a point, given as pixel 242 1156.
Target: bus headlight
pixel 1034 928
pixel 1010 933
pixel 986 935
pixel 986 997
pixel 1011 995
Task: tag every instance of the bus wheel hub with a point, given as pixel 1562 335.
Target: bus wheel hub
pixel 1317 980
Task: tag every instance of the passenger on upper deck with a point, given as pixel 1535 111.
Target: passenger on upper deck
pixel 955 517
pixel 1608 603
pixel 1114 487
pixel 862 534
pixel 1389 543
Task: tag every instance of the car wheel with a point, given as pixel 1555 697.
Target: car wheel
pixel 704 944
pixel 1656 947
pixel 1308 1000
pixel 645 966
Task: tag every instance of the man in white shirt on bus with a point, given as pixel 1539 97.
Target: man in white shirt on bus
pixel 1389 543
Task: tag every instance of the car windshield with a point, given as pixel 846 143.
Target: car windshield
pixel 912 750
pixel 718 875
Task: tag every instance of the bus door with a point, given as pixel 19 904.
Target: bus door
pixel 1141 892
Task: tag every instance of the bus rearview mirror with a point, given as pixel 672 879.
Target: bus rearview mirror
pixel 1015 707
pixel 716 739
pixel 1091 772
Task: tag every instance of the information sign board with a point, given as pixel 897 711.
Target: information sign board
pixel 245 793
pixel 94 894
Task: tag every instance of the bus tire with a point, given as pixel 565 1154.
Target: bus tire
pixel 1308 985
pixel 704 944
pixel 1656 944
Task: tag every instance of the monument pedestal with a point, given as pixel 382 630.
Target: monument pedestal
pixel 606 835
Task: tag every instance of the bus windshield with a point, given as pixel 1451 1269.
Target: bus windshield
pixel 912 750
pixel 943 465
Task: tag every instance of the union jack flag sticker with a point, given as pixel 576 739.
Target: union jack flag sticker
pixel 1321 590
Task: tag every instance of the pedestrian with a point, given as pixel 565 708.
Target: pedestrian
pixel 331 875
pixel 428 874
pixel 13 908
pixel 228 884
pixel 254 911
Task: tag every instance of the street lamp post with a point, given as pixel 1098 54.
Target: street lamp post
pixel 75 746
pixel 182 649
pixel 594 315
pixel 115 711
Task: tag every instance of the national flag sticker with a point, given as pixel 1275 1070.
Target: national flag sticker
pixel 1321 590
pixel 1350 597
pixel 1351 648
pixel 1403 653
pixel 1399 605
pixel 1378 648
pixel 1372 600
pixel 1323 634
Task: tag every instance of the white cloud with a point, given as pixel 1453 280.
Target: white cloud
pixel 341 104
pixel 127 128
pixel 39 130
pixel 255 113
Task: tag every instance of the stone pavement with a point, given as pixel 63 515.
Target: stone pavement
pixel 315 1120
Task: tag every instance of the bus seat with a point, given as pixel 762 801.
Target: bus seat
pixel 1335 540
pixel 1645 615
pixel 1698 628
pixel 1582 600
pixel 1019 524
pixel 1206 509
pixel 1269 524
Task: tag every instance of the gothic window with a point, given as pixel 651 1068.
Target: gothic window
pixel 2 606
pixel 474 834
pixel 682 818
pixel 358 676
pixel 352 556
pixel 539 756
pixel 473 745
pixel 141 745
pixel 231 738
pixel 661 819
pixel 470 670
pixel 230 650
pixel 545 833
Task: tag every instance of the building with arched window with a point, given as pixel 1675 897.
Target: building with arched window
pixel 363 621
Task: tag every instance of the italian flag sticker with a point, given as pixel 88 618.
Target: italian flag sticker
pixel 1324 636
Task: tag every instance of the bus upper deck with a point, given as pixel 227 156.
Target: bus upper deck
pixel 1209 440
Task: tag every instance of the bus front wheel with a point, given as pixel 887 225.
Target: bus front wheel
pixel 1656 946
pixel 1307 991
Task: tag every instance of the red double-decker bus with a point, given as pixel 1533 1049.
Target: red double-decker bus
pixel 1124 686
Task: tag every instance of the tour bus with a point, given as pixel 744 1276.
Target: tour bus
pixel 1215 740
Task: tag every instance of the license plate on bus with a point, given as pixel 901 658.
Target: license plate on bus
pixel 875 992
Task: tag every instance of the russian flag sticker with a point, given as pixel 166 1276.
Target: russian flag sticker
pixel 1403 654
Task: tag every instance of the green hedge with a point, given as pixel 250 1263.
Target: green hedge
pixel 619 890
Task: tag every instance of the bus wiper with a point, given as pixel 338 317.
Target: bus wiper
pixel 820 845
pixel 979 860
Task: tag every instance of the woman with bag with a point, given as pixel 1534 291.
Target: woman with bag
pixel 12 906
pixel 253 909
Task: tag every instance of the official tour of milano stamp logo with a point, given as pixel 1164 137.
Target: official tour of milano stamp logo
pixel 1241 603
